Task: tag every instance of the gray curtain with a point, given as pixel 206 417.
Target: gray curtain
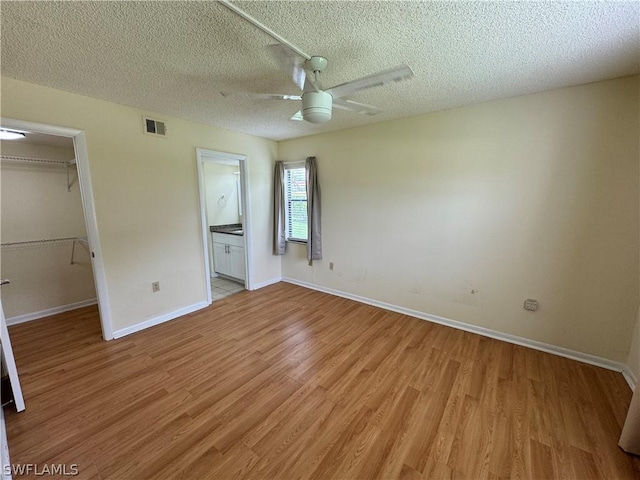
pixel 279 235
pixel 314 241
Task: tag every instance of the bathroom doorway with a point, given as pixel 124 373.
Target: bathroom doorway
pixel 225 218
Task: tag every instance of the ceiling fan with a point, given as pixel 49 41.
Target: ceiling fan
pixel 317 102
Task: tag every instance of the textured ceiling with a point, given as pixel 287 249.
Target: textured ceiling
pixel 175 57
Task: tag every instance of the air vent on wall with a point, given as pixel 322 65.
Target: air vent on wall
pixel 154 127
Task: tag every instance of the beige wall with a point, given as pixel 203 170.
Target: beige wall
pixel 146 196
pixel 36 205
pixel 529 197
pixel 633 360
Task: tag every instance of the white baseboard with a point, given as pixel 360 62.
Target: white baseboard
pixel 27 317
pixel 630 377
pixel 158 320
pixel 266 283
pixel 525 342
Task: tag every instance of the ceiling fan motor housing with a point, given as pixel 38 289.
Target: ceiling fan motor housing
pixel 316 107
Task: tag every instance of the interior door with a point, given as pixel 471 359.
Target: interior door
pixel 10 363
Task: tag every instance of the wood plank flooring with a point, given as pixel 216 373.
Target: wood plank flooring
pixel 290 383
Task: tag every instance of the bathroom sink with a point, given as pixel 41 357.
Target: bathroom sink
pixel 232 229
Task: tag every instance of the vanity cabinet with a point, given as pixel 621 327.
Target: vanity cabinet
pixel 228 255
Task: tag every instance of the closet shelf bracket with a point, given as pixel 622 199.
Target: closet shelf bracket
pixel 68 165
pixel 82 241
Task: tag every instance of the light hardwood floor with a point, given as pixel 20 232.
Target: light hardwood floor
pixel 286 383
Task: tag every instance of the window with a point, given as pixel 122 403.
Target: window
pixel 295 193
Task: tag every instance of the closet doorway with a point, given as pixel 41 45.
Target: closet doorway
pixel 226 225
pixel 49 245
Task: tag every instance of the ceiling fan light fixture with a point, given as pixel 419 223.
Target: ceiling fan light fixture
pixel 10 134
pixel 316 107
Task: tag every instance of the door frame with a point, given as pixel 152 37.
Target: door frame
pixel 10 363
pixel 88 208
pixel 205 155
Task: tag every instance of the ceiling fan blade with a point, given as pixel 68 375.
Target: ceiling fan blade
pixel 397 74
pixel 297 116
pixel 361 108
pixel 290 62
pixel 261 96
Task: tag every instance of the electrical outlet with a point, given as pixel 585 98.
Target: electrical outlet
pixel 531 304
pixel 330 265
pixel 155 287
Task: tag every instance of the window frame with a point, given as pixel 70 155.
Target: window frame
pixel 293 166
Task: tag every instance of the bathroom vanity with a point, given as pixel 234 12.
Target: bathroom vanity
pixel 228 250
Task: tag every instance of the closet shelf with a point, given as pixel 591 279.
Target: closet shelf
pixel 50 242
pixel 67 164
pixel 48 161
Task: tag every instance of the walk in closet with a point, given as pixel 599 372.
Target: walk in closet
pixel 44 252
